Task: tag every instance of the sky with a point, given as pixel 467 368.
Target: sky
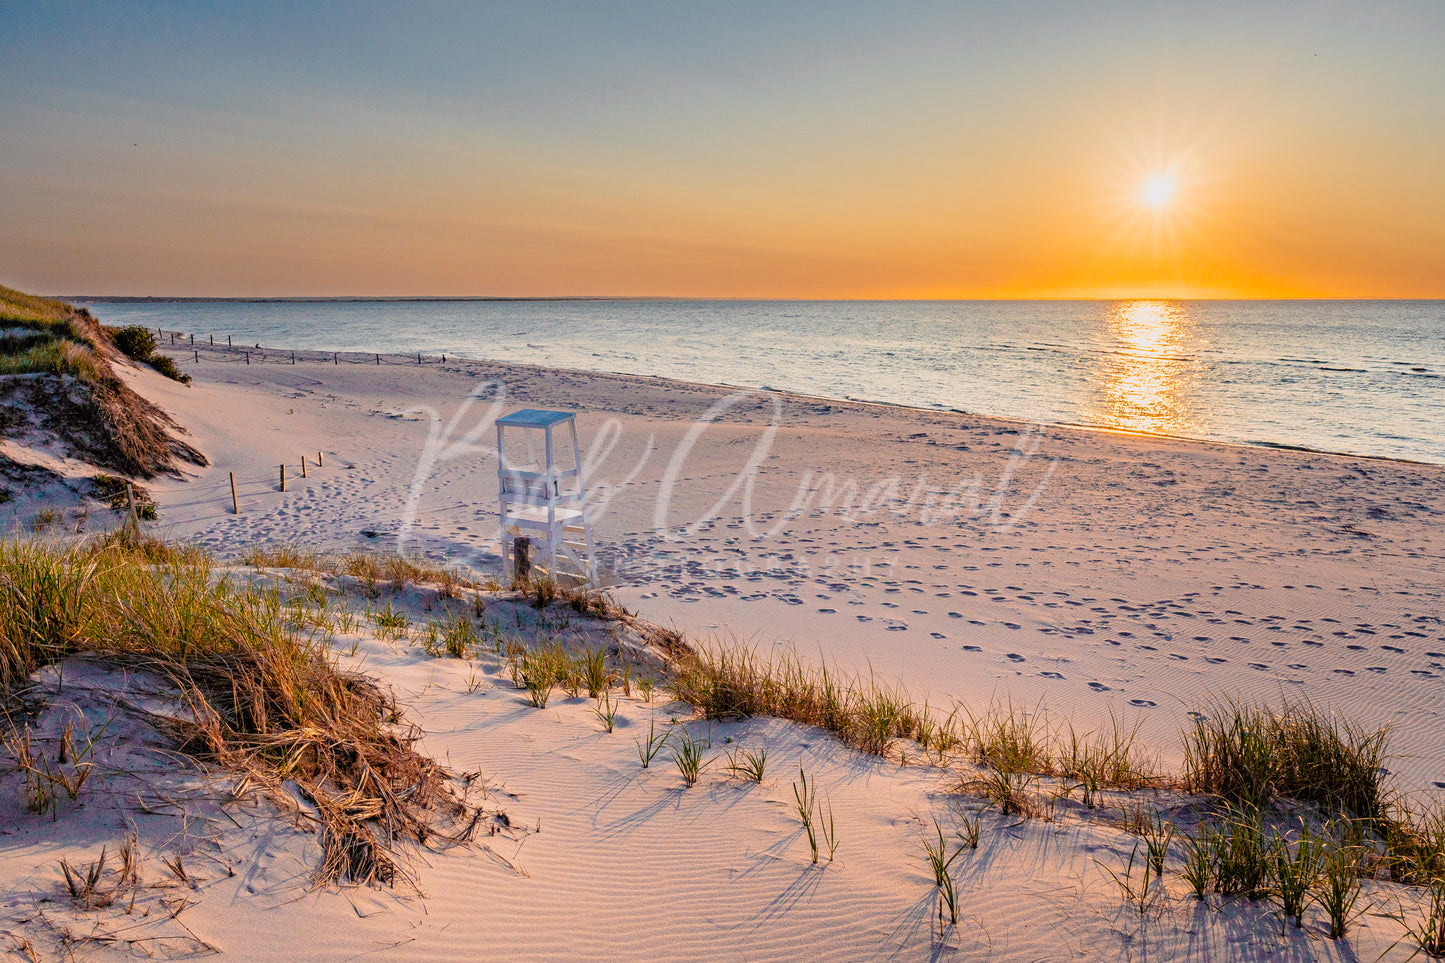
pixel 748 150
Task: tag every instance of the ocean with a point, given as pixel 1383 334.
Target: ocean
pixel 1360 377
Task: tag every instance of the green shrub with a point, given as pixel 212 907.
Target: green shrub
pixel 168 368
pixel 135 341
pixel 138 343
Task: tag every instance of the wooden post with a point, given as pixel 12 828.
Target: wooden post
pixel 193 340
pixel 521 558
pixel 198 357
pixel 283 478
pixel 235 504
pixel 418 357
pixel 336 357
pixel 293 357
pixel 378 359
pixel 130 497
pixel 320 462
pixel 303 466
pixel 228 340
pixel 248 357
pixel 213 339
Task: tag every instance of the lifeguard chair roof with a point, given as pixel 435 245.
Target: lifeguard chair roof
pixel 534 418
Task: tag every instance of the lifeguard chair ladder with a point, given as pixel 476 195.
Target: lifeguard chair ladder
pixel 547 506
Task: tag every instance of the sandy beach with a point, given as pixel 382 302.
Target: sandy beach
pixel 1091 573
pixel 1003 443
pixel 1093 578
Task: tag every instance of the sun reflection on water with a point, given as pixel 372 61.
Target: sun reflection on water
pixel 1147 366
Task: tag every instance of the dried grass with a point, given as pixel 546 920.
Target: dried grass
pixel 82 400
pixel 268 701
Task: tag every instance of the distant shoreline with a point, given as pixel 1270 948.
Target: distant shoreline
pixel 159 299
pixel 1040 363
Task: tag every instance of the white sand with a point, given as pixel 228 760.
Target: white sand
pixel 1129 576
pixel 1098 573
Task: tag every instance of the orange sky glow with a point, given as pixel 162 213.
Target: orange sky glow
pixel 992 157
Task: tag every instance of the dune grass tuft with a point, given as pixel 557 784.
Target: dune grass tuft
pixel 734 681
pixel 268 700
pixel 1250 755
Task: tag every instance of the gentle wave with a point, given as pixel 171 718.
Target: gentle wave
pixel 1361 377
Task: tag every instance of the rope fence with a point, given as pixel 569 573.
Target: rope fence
pixel 241 354
pixel 231 491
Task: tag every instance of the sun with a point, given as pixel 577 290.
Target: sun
pixel 1159 190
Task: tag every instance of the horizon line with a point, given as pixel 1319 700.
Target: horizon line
pixel 422 298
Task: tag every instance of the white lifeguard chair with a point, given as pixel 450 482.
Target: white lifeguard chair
pixel 542 501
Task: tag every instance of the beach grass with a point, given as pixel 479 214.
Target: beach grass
pixel 1250 755
pixel 257 671
pixel 76 392
pixel 731 681
pixel 266 697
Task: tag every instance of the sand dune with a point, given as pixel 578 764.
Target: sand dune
pixel 1093 576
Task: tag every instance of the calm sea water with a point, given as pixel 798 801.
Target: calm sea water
pixel 1364 377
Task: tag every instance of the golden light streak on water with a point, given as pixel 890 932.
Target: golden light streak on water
pixel 1144 378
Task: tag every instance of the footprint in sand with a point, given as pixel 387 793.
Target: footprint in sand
pixel 938 635
pixel 1344 672
pixel 1143 703
pixel 1377 669
pixel 955 615
pixel 1099 687
pixel 828 611
pixel 972 648
pixel 1051 675
pixel 1015 657
pixel 864 618
pixel 1012 625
